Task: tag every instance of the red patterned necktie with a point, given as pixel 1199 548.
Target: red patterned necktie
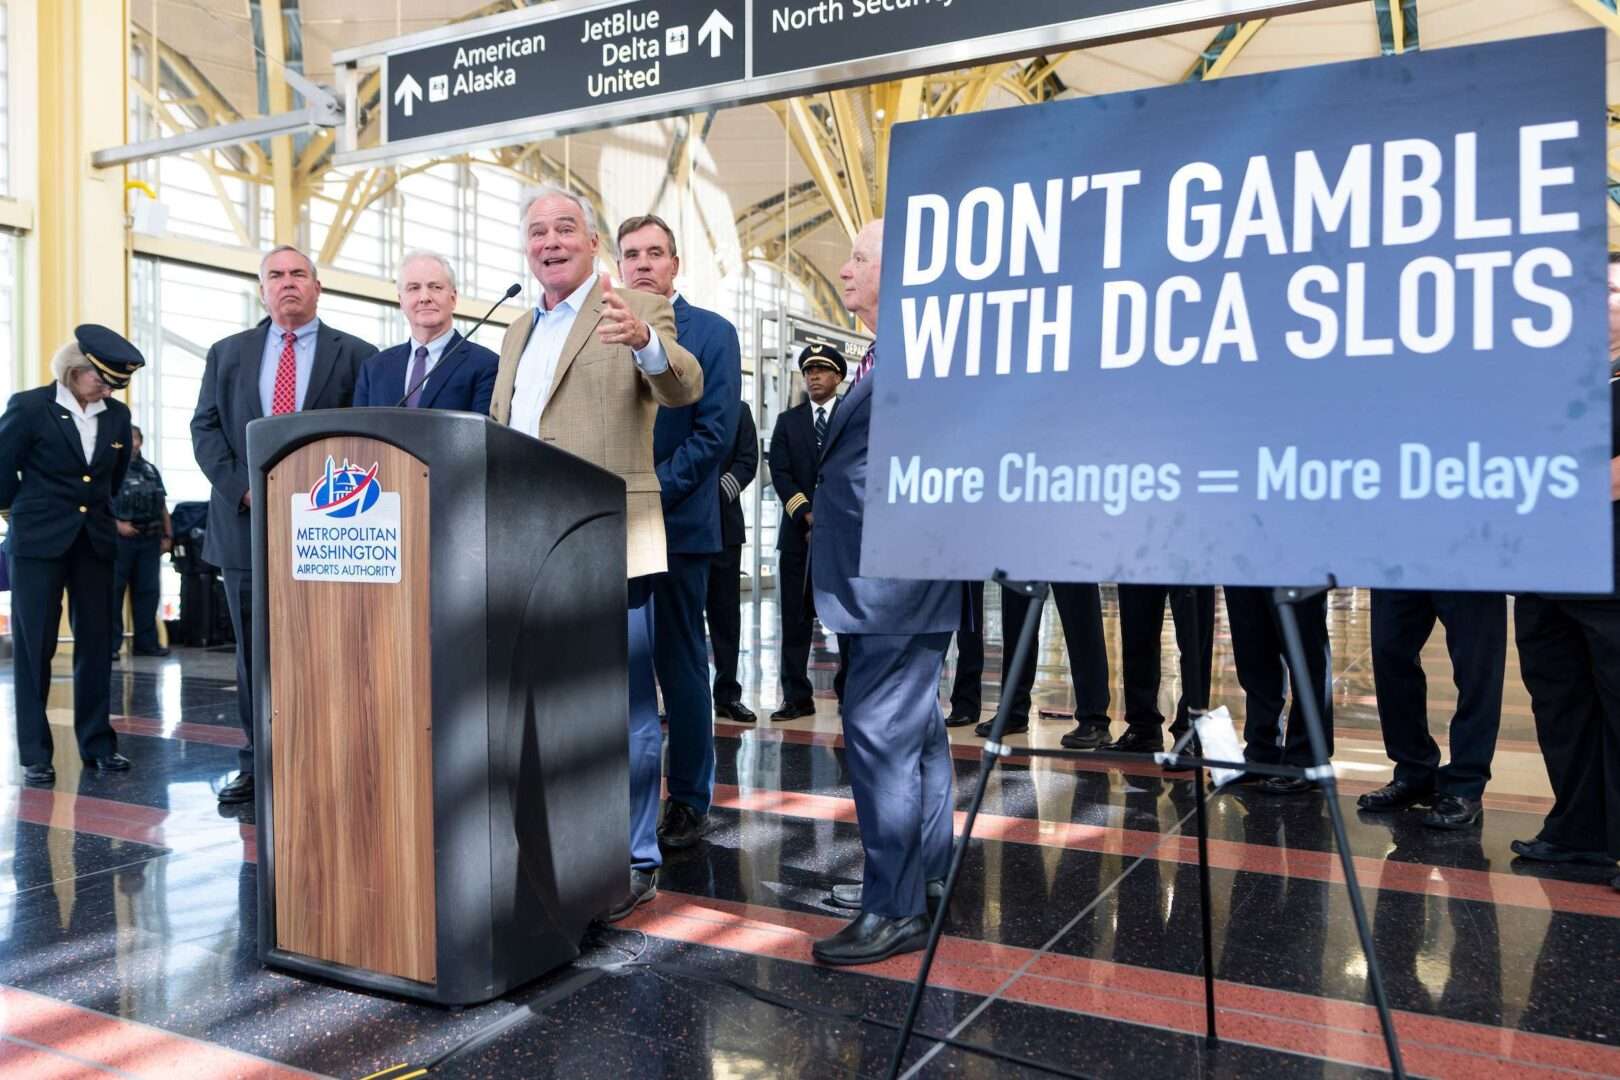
pixel 865 366
pixel 284 398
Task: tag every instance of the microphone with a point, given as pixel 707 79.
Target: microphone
pixel 510 292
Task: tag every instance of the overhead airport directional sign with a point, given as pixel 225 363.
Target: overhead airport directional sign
pixel 575 60
pixel 580 64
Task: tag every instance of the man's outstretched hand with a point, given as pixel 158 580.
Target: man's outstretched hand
pixel 619 325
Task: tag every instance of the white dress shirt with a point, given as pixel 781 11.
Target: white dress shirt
pixel 537 367
pixel 83 419
pixel 435 350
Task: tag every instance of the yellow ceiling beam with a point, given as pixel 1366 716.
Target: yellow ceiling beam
pixel 847 129
pixel 802 131
pixel 282 161
pixel 1605 15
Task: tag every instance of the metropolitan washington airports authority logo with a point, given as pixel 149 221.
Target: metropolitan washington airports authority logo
pixel 344 492
pixel 346 528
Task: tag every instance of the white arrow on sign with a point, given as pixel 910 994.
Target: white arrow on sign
pixel 711 30
pixel 409 92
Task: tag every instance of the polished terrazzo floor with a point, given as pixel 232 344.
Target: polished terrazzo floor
pixel 128 914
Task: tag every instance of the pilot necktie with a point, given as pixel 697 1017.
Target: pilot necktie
pixel 821 425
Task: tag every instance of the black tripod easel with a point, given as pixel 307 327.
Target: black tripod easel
pixel 1177 760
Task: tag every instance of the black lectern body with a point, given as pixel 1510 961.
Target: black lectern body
pixel 440 657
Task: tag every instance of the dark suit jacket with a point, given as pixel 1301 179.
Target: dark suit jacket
pixel 846 602
pixel 52 492
pixel 229 398
pixel 462 380
pixel 736 473
pixel 793 470
pixel 689 442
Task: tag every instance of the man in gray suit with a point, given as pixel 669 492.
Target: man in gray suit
pixel 897 632
pixel 290 362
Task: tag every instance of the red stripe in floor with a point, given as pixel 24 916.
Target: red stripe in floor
pixel 124 821
pixel 1539 894
pixel 73 1040
pixel 216 734
pixel 1273 1019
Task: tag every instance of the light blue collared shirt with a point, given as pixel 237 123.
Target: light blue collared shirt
pixel 537 366
pixel 435 350
pixel 303 357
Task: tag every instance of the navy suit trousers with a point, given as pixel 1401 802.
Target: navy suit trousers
pixel 681 657
pixel 646 740
pixel 899 764
pixel 1268 678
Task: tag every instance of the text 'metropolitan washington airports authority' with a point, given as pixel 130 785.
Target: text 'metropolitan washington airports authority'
pixel 581 64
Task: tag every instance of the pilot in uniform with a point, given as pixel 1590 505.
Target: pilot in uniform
pixel 64 450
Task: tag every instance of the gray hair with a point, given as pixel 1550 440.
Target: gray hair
pixel 68 359
pixel 552 191
pixel 277 250
pixel 423 253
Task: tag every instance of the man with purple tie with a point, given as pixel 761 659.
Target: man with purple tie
pixel 466 378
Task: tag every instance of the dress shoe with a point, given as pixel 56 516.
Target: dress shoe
pixel 1539 850
pixel 39 774
pixel 159 651
pixel 1616 884
pixel 1014 727
pixel 643 887
pixel 114 762
pixel 682 826
pixel 735 710
pixel 1088 734
pixel 870 938
pixel 849 896
pixel 793 710
pixel 1288 785
pixel 1138 739
pixel 961 718
pixel 239 790
pixel 1396 795
pixel 1452 812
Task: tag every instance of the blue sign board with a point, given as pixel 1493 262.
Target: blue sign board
pixel 1346 320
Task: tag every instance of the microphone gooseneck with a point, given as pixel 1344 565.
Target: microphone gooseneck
pixel 512 291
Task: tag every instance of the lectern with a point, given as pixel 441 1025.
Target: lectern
pixel 441 696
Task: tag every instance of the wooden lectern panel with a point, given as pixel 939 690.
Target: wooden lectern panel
pixel 351 708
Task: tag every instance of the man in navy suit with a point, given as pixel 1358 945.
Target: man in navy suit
pixel 466 378
pixel 290 362
pixel 689 444
pixel 897 632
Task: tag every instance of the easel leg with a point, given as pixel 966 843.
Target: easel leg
pixel 992 747
pixel 1305 693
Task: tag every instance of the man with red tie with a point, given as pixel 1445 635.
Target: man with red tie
pixel 290 362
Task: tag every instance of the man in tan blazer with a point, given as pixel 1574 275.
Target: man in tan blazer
pixel 586 371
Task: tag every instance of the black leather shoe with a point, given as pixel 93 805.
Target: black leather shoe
pixel 682 826
pixel 159 651
pixel 1452 812
pixel 1137 740
pixel 870 938
pixel 1539 850
pixel 961 718
pixel 643 887
pixel 1288 785
pixel 849 896
pixel 735 710
pixel 1396 795
pixel 239 790
pixel 793 710
pixel 1087 735
pixel 39 774
pixel 114 762
pixel 1014 727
